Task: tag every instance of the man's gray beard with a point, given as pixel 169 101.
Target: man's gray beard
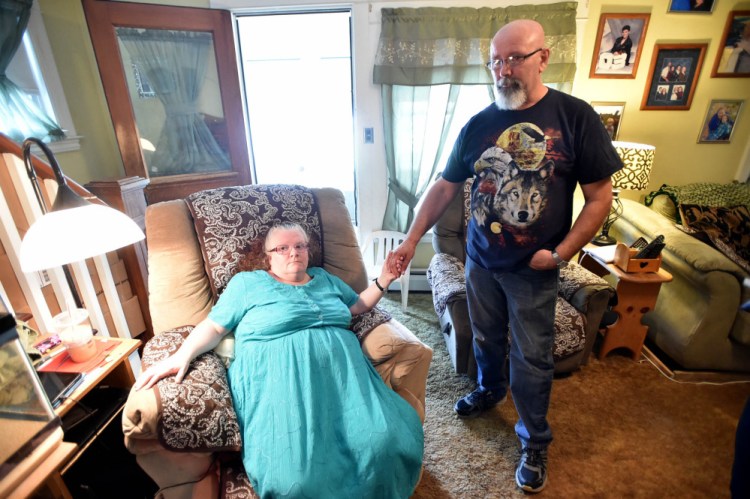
pixel 510 98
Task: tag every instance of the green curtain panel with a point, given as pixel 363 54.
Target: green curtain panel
pixel 432 46
pixel 20 116
pixel 425 47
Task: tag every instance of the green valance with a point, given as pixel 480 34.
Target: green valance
pixel 433 46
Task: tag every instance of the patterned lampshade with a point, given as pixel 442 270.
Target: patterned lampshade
pixel 638 160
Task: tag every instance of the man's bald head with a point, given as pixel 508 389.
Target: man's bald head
pixel 521 31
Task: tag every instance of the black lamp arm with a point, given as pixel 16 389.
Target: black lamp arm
pixel 63 192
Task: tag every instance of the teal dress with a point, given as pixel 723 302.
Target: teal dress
pixel 317 420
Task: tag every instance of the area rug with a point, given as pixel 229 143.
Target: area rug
pixel 621 429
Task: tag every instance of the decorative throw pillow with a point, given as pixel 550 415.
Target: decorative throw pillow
pixel 728 229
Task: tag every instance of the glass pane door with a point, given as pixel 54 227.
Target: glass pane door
pixel 298 81
pixel 174 88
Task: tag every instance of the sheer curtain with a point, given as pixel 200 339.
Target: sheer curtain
pixel 175 63
pixel 20 116
pixel 421 49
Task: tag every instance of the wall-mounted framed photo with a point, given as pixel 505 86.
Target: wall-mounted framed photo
pixel 673 76
pixel 618 45
pixel 691 6
pixel 718 125
pixel 733 59
pixel 610 113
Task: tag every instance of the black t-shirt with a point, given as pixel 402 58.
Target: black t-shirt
pixel 526 164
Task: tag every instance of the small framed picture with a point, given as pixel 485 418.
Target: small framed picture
pixel 673 76
pixel 718 124
pixel 691 6
pixel 610 113
pixel 618 46
pixel 733 59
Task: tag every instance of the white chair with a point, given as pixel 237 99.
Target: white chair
pixel 374 252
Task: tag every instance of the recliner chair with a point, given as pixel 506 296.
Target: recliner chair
pixel 582 301
pixel 186 436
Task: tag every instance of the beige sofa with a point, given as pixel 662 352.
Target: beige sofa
pixel 186 436
pixel 697 321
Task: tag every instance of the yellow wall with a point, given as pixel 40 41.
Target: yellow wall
pixel 679 159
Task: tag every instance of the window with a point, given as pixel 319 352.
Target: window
pixel 297 74
pixel 33 69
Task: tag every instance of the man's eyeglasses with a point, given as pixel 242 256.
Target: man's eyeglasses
pixel 284 249
pixel 511 62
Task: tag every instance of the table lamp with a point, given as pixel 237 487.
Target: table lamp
pixel 637 160
pixel 73 229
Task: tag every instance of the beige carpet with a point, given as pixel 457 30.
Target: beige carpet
pixel 621 429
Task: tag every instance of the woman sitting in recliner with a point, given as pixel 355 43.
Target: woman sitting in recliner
pixel 316 418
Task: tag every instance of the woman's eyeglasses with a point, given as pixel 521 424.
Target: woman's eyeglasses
pixel 511 62
pixel 284 249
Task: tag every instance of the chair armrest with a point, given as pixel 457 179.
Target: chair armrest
pixel 193 416
pixel 578 285
pixel 447 280
pixel 401 359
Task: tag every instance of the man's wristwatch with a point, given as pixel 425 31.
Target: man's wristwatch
pixel 558 260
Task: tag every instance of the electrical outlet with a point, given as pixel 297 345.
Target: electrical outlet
pixel 369 135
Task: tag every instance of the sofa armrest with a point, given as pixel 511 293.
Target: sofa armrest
pixel 638 220
pixel 193 416
pixel 402 360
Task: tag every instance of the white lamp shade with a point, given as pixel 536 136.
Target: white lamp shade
pixel 637 160
pixel 72 235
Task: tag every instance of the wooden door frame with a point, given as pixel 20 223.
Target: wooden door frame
pixel 102 18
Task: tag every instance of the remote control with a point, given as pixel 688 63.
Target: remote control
pixel 639 243
pixel 652 250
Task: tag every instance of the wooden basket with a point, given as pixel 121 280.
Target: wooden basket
pixel 625 261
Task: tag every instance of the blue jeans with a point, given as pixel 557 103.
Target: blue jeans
pixel 524 301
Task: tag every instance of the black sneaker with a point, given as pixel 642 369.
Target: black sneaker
pixel 531 474
pixel 477 402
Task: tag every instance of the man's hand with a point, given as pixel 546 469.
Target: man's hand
pixel 387 276
pixel 400 257
pixel 542 260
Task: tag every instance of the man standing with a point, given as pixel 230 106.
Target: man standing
pixel 526 152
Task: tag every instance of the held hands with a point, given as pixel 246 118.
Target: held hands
pixel 398 259
pixel 174 364
pixel 387 274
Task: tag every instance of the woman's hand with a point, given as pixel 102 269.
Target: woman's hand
pixel 174 364
pixel 388 273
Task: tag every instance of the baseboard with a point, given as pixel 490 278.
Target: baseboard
pixel 693 376
pixel 417 283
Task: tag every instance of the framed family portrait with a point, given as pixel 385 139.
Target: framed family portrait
pixel 673 76
pixel 718 125
pixel 610 114
pixel 733 59
pixel 618 45
pixel 696 6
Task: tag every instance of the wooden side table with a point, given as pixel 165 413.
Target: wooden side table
pixel 636 295
pixel 114 370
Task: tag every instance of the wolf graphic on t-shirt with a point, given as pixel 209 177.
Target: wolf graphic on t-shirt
pixel 511 195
